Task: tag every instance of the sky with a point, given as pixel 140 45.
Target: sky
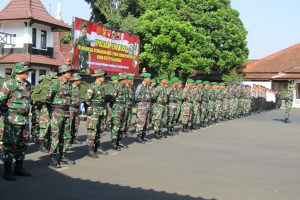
pixel 272 25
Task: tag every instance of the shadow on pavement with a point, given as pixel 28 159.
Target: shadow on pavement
pixel 49 184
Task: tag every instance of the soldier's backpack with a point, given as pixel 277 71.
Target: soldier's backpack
pixel 40 91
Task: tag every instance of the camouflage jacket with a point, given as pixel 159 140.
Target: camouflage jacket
pixel 143 93
pixel 15 94
pixel 75 100
pixel 187 95
pixel 95 95
pixel 219 95
pixel 120 93
pixel 160 95
pixel 130 92
pixel 59 93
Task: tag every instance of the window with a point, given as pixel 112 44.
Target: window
pixel 33 37
pixel 42 72
pixel 8 72
pixel 43 39
pixel 297 90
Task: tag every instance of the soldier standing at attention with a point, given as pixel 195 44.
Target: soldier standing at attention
pixel 173 104
pixel 130 103
pixel 143 100
pixel 96 113
pixel 74 108
pixel 159 110
pixel 188 99
pixel 59 96
pixel 118 114
pixel 15 101
pixel 288 100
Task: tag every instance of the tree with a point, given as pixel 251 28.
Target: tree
pixel 233 76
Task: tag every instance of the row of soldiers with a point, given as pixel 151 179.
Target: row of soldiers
pixel 55 118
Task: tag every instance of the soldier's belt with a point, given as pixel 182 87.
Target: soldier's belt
pixel 19 111
pixel 61 107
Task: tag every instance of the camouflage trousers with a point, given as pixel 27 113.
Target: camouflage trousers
pixel 204 113
pixel 196 112
pixel 231 107
pixel 128 118
pixel 96 116
pixel 178 111
pixel 74 121
pixel 60 130
pixel 172 113
pixel 159 116
pixel 36 113
pixel 186 112
pixel 108 118
pixel 210 110
pixel 15 140
pixel 225 108
pixel 217 109
pixel 248 106
pixel 288 108
pixel 44 124
pixel 118 120
pixel 142 114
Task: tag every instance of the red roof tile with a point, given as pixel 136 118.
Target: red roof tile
pixel 254 76
pixel 30 10
pixel 278 62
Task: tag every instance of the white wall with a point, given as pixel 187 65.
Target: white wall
pixel 14 28
pixel 267 84
pixel 39 28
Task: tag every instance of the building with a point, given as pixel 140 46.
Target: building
pixel 30 34
pixel 276 71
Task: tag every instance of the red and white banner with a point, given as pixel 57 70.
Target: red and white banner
pixel 112 51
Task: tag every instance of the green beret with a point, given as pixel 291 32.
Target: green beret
pixel 153 81
pixel 99 73
pixel 197 82
pixel 180 81
pixel 130 77
pixel 84 25
pixel 170 82
pixel 146 75
pixel 21 68
pixel 122 76
pixel 190 81
pixel 175 80
pixel 205 83
pixel 113 78
pixel 213 83
pixel 162 77
pixel 222 84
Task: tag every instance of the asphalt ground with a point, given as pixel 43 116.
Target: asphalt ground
pixel 253 158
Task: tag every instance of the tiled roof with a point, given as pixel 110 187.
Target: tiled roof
pixel 30 10
pixel 278 62
pixel 288 76
pixel 254 76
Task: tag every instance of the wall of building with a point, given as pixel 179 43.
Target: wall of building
pixel 267 84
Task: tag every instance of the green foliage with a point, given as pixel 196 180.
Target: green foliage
pixel 179 37
pixel 233 76
pixel 66 38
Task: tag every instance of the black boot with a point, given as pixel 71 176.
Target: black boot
pixel 19 170
pixel 184 130
pixel 54 162
pixel 65 160
pixel 8 172
pixel 120 143
pixel 43 146
pixel 169 132
pixel 192 126
pixel 92 153
pixel 139 138
pixel 157 135
pixel 115 146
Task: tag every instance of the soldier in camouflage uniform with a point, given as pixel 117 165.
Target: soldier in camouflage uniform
pixel 15 101
pixel 108 119
pixel 218 103
pixel 198 92
pixel 83 55
pixel 152 86
pixel 288 100
pixel 129 102
pixel 159 109
pixel 211 103
pixel 173 100
pixel 74 108
pixel 204 104
pixel 118 115
pixel 249 100
pixel 143 100
pixel 59 96
pixel 95 99
pixel 186 107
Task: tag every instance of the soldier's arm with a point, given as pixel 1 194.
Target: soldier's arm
pixel 52 92
pixel 89 95
pixel 5 92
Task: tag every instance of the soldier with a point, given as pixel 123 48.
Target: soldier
pixel 95 99
pixel 15 101
pixel 129 102
pixel 108 119
pixel 152 86
pixel 59 97
pixel 204 104
pixel 173 96
pixel 186 107
pixel 288 100
pixel 74 108
pixel 143 100
pixel 159 109
pixel 118 113
pixel 197 91
pixel 83 55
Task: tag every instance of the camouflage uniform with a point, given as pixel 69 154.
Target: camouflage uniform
pixel 186 107
pixel 143 100
pixel 15 98
pixel 96 113
pixel 83 55
pixel 218 104
pixel 204 105
pixel 118 114
pixel 173 105
pixel 288 100
pixel 129 105
pixel 74 109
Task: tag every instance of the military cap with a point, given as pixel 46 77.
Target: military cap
pixel 153 81
pixel 162 77
pixel 213 83
pixel 84 25
pixel 122 76
pixel 170 82
pixel 53 75
pixel 146 75
pixel 222 84
pixel 175 80
pixel 99 73
pixel 180 81
pixel 197 82
pixel 113 78
pixel 63 69
pixel 205 83
pixel 21 68
pixel 76 77
pixel 42 77
pixel 190 81
pixel 130 76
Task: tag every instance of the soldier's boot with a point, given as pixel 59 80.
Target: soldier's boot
pixel 65 160
pixel 115 145
pixel 43 146
pixel 54 162
pixel 139 138
pixel 192 126
pixel 157 135
pixel 120 143
pixel 19 170
pixel 92 153
pixel 169 133
pixel 99 150
pixel 286 120
pixel 8 172
pixel 184 128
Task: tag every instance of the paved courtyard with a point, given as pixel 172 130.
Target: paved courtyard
pixel 254 158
